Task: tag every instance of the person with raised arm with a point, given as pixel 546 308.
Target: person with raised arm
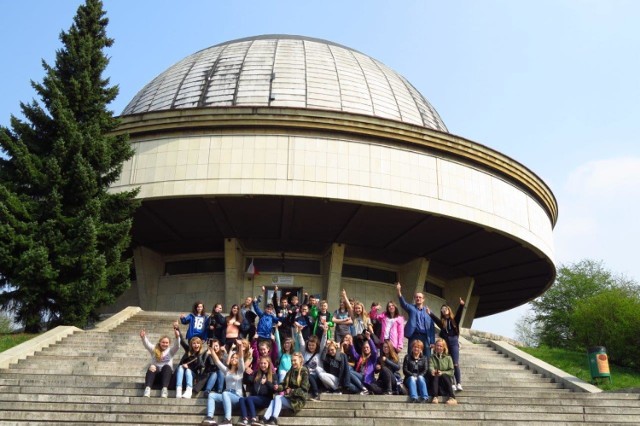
pixel 419 325
pixel 450 331
pixel 161 367
pixel 233 392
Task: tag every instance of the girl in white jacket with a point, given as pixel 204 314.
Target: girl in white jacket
pixel 161 367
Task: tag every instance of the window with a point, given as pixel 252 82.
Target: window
pixel 369 273
pixel 194 266
pixel 291 266
pixel 434 289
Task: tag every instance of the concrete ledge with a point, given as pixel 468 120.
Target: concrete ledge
pixel 538 366
pixel 115 320
pixel 477 336
pixel 28 348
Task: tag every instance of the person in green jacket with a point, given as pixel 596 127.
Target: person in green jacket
pixel 441 373
pixel 294 390
pixel 323 317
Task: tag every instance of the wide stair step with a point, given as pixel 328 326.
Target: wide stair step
pixel 94 377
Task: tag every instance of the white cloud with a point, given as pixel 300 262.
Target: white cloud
pixel 615 177
pixel 598 207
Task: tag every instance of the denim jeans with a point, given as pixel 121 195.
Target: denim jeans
pixel 356 379
pixel 419 382
pixel 229 399
pixel 277 404
pixel 454 350
pixel 216 379
pixel 250 405
pixel 188 374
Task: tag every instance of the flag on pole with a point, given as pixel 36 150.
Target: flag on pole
pixel 252 270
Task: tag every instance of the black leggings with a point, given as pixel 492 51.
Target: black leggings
pixel 163 376
pixel 442 386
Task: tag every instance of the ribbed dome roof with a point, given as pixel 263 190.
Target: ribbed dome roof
pixel 286 71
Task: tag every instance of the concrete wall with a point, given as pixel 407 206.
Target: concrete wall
pixel 335 168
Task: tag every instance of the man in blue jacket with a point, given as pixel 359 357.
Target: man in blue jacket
pixel 419 326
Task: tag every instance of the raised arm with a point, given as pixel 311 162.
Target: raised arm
pixel 403 303
pixel 217 360
pixel 458 316
pixel 240 356
pixel 257 308
pixel 176 343
pixel 347 304
pixel 145 341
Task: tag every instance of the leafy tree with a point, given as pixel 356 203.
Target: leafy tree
pixel 527 330
pixel 574 282
pixel 62 234
pixel 611 319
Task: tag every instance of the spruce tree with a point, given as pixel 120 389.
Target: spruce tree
pixel 63 236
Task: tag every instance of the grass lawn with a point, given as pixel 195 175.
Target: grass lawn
pixel 577 364
pixel 9 340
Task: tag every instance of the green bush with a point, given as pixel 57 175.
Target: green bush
pixel 611 319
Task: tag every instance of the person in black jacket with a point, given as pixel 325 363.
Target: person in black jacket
pixel 216 325
pixel 192 366
pixel 286 312
pixel 386 368
pixel 262 385
pixel 335 376
pixel 415 367
pixel 450 331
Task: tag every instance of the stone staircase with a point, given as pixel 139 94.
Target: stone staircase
pixel 93 377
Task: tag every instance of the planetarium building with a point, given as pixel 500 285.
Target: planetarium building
pixel 327 170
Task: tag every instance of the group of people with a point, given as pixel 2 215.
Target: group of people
pixel 298 350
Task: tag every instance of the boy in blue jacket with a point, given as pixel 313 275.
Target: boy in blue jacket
pixel 267 319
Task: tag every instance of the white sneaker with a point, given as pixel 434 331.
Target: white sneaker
pixel 459 387
pixel 179 392
pixel 165 393
pixel 187 393
pixel 147 392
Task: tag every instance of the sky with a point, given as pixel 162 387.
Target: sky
pixel 553 84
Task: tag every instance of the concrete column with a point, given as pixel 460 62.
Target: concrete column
pixel 470 313
pixel 456 289
pixel 149 268
pixel 412 276
pixel 332 278
pixel 233 273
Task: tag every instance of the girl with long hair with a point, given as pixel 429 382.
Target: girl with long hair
pixel 234 371
pixel 387 367
pixel 335 374
pixel 391 325
pixel 311 358
pixel 361 321
pixel 234 321
pixel 197 321
pixel 261 384
pixel 441 369
pixel 345 347
pixel 160 367
pixel 191 366
pixel 215 381
pixel 286 350
pixel 295 387
pixel 366 361
pixel 450 332
pixel 217 325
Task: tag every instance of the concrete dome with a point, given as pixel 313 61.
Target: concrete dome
pixel 286 71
